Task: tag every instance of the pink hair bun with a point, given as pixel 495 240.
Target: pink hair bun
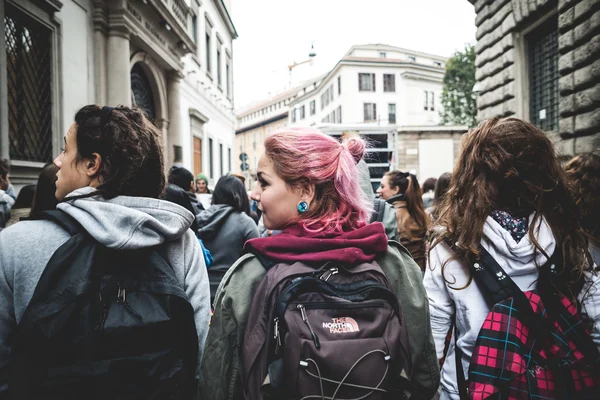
pixel 356 147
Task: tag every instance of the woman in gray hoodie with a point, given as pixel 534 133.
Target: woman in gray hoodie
pixel 225 227
pixel 110 177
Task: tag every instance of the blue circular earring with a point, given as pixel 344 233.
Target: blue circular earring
pixel 302 207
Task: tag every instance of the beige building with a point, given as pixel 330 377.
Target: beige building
pixel 540 61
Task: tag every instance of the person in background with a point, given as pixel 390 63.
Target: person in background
pixel 184 179
pixel 6 200
pixel 22 207
pixel 225 226
pixel 45 198
pixel 428 191
pixel 202 184
pixel 177 195
pixel 583 175
pixel 5 178
pixel 441 187
pixel 402 191
pixel 508 196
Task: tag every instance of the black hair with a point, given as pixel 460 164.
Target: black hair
pixel 45 192
pixel 177 195
pixel 4 167
pixel 429 184
pixel 230 190
pixel 25 197
pixel 181 177
pixel 441 186
pixel 130 147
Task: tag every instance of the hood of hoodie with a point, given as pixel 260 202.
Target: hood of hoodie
pixel 521 256
pixel 210 221
pixel 296 243
pixel 126 222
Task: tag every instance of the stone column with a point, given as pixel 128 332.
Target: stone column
pixel 100 20
pixel 118 68
pixel 174 143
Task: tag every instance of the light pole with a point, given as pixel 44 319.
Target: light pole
pixel 311 56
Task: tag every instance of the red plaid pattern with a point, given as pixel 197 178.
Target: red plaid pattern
pixel 508 363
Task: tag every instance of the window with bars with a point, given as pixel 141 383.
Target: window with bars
pixel 221 160
pixel 370 112
pixel 366 82
pixel 542 46
pixel 392 113
pixel 211 158
pixel 29 81
pixel 389 82
pixel 313 107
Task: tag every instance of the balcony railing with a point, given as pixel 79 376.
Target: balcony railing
pixel 181 11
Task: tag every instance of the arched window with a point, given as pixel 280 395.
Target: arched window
pixel 141 91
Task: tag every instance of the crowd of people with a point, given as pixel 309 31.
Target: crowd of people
pixel 120 281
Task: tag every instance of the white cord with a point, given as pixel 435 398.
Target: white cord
pixel 341 383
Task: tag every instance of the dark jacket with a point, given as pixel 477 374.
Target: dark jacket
pixel 224 231
pixel 412 235
pixel 221 365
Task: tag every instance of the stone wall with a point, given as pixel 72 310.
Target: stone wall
pixel 408 139
pixel 501 65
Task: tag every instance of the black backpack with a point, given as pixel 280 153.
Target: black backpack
pixel 332 332
pixel 104 324
pixel 379 206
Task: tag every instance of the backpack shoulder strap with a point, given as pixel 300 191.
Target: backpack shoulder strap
pixel 377 216
pixel 63 220
pixel 492 280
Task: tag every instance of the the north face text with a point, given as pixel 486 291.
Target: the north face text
pixel 341 325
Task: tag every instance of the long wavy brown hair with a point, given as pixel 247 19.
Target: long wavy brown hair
pixel 583 175
pixel 510 165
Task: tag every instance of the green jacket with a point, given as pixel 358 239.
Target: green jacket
pixel 220 371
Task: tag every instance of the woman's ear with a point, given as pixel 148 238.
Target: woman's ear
pixel 92 166
pixel 308 194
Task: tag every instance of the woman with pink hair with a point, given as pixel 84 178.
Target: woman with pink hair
pixel 307 188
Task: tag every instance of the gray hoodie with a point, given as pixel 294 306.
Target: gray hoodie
pixel 120 223
pixel 224 231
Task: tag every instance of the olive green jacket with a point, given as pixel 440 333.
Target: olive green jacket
pixel 220 371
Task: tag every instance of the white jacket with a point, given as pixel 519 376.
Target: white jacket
pixel 517 259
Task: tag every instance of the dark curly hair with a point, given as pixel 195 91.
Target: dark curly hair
pixel 510 165
pixel 583 175
pixel 130 147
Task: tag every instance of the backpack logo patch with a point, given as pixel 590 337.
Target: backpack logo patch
pixel 341 325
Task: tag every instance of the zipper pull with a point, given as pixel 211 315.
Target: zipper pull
pixel 327 274
pixel 277 336
pixel 305 319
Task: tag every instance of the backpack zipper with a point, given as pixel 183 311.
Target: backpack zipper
pixel 305 319
pixel 297 281
pixel 332 306
pixel 328 274
pixel 277 336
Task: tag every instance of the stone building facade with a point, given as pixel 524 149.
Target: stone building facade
pixel 540 61
pixel 429 151
pixel 172 58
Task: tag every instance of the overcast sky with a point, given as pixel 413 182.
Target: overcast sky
pixel 275 33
